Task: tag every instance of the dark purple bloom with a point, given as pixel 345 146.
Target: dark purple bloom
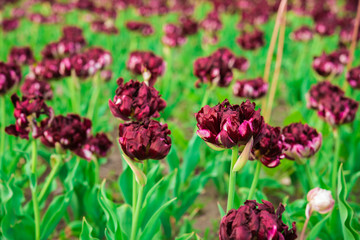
pixel 144 28
pixel 26 112
pixel 346 30
pixel 253 88
pixel 106 75
pixel 188 26
pixel 40 18
pixel 173 36
pixel 47 69
pixel 33 88
pixel 332 64
pixel 338 112
pixel 69 132
pixel 241 64
pixel 302 34
pixel 10 74
pixel 9 24
pixel 254 12
pixel 98 145
pixel 21 56
pixel 270 148
pixel 300 141
pixel 256 221
pixel 251 40
pixel 353 77
pixel 146 64
pixel 73 34
pixel 135 100
pixel 212 22
pixel 107 27
pixel 226 125
pixel 320 91
pixel 325 23
pixel 147 140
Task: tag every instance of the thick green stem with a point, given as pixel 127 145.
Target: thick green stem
pixel 97 170
pixel 232 179
pixel 75 100
pixel 2 129
pixel 309 175
pixel 255 180
pixel 135 217
pixel 134 195
pixel 94 97
pixel 33 190
pixel 336 161
pixel 49 179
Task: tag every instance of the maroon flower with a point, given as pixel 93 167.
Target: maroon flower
pixel 98 145
pixel 226 125
pixel 188 26
pixel 146 64
pixel 135 100
pixel 338 112
pixel 70 132
pixel 256 221
pixel 253 88
pixel 325 23
pixel 26 112
pixel 73 34
pixel 10 74
pixel 174 36
pixel 142 27
pixel 21 56
pixel 33 88
pixel 147 140
pixel 269 150
pixel 212 22
pixel 300 141
pixel 346 30
pixel 251 40
pixel 104 27
pixel 254 12
pixel 9 24
pixel 353 77
pixel 321 91
pixel 302 34
pixel 106 75
pixel 48 69
pixel 40 18
pixel 241 64
pixel 332 64
pixel 60 49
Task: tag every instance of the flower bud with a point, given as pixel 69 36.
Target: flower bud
pixel 320 200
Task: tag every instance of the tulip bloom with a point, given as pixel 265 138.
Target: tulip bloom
pixel 320 200
pixel 251 40
pixel 322 91
pixel 10 74
pixel 174 36
pixel 353 77
pixel 302 34
pixel 252 89
pixel 256 221
pixel 331 64
pixel 21 56
pixel 33 88
pixel 300 141
pixel 147 140
pixel 98 145
pixel 142 27
pixel 135 100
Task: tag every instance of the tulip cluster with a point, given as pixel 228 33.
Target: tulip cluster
pixel 217 68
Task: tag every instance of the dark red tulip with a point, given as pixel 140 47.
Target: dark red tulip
pixel 33 88
pixel 9 24
pixel 353 77
pixel 73 34
pixel 40 18
pixel 346 30
pixel 106 75
pixel 241 64
pixel 256 221
pixel 142 27
pixel 252 89
pixel 10 74
pixel 188 26
pixel 269 150
pixel 21 56
pixel 320 91
pixel 254 12
pixel 98 145
pixel 325 23
pixel 135 100
pixel 332 64
pixel 26 113
pixel 174 36
pixel 226 125
pixel 251 40
pixel 146 64
pixel 48 69
pixel 302 34
pixel 147 140
pixel 212 22
pixel 300 141
pixel 70 132
pixel 107 27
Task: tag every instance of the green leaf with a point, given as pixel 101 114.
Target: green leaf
pixel 185 236
pixel 314 233
pixel 124 214
pixel 86 231
pixel 221 210
pixel 191 157
pixel 125 182
pixel 346 212
pixel 150 227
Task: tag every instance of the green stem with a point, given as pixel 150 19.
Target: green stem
pixel 134 195
pixel 75 100
pixel 135 217
pixel 255 180
pixel 94 97
pixel 336 161
pixel 50 178
pixel 2 129
pixel 97 170
pixel 33 190
pixel 309 175
pixel 232 180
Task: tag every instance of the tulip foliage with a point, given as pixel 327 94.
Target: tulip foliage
pixel 179 119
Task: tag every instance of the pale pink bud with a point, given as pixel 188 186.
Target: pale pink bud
pixel 320 200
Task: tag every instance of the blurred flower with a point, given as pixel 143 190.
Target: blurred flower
pixel 106 75
pixel 332 64
pixel 146 64
pixel 98 145
pixel 241 64
pixel 252 89
pixel 302 34
pixel 226 125
pixel 40 18
pixel 21 56
pixel 256 221
pixel 147 140
pixel 346 30
pixel 70 132
pixel 142 27
pixel 322 91
pixel 212 22
pixel 320 200
pixel 254 12
pixel 269 150
pixel 325 23
pixel 10 74
pixel 73 34
pixel 188 26
pixel 135 100
pixel 33 88
pixel 174 36
pixel 47 69
pixel 107 27
pixel 26 112
pixel 338 112
pixel 251 40
pixel 300 141
pixel 9 24
pixel 353 77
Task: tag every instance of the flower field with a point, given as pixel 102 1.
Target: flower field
pixel 181 119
